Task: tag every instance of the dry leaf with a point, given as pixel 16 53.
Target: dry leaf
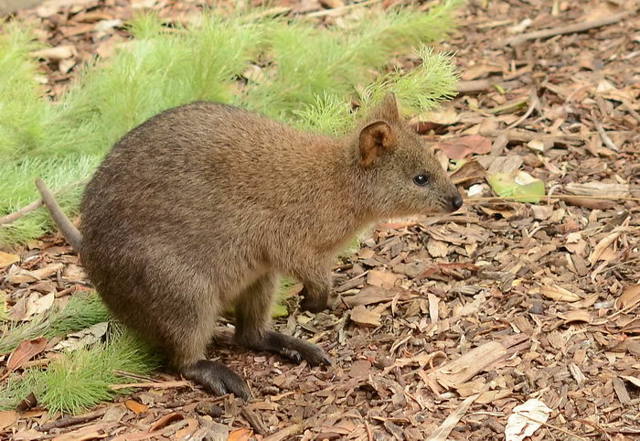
pixel 87 433
pixel 633 380
pixel 25 352
pixel 598 189
pixel 85 337
pixel 136 407
pixel 7 259
pixel 526 419
pixel 365 317
pixel 465 146
pixel 599 251
pixel 240 435
pixel 558 293
pixel 579 315
pixel 368 296
pixel 56 53
pixel 165 421
pixel 7 418
pixel 383 279
pixel 630 297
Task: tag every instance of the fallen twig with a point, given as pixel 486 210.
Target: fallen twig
pixel 285 433
pixel 571 29
pixel 547 197
pixel 153 385
pixel 450 422
pixel 72 420
pixel 340 10
pixel 519 135
pixel 534 103
pixel 12 217
pixel 605 138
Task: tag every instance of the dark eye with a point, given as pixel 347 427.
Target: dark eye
pixel 421 180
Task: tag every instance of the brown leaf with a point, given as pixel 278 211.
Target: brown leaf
pixel 466 145
pixel 165 420
pixel 56 53
pixel 630 297
pixel 240 435
pixel 7 259
pixel 578 315
pixel 383 279
pixel 95 431
pixel 559 293
pixel 599 251
pixel 368 296
pixel 469 173
pixel 365 317
pixel 136 407
pixel 7 418
pixel 25 352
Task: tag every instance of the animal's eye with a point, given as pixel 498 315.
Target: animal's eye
pixel 421 180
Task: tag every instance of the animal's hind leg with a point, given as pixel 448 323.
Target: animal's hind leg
pixel 253 314
pixel 186 342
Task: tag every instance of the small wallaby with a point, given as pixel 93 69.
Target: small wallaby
pixel 204 206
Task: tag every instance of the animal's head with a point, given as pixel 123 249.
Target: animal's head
pixel 400 171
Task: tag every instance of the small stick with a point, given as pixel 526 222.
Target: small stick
pixel 72 421
pixel 153 385
pixel 285 433
pixel 632 112
pixel 554 196
pixel 533 105
pixel 12 217
pixel 605 138
pixel 571 29
pixel 341 9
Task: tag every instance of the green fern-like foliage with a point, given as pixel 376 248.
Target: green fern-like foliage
pixel 82 378
pixel 291 71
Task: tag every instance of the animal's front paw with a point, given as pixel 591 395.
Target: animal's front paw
pixel 313 304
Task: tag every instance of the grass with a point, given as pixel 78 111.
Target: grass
pixel 292 71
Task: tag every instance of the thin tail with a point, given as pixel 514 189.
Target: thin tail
pixel 69 231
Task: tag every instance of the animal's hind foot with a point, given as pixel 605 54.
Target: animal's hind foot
pixel 216 378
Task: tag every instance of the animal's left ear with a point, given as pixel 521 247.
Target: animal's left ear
pixel 388 108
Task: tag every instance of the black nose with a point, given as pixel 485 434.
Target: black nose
pixel 456 201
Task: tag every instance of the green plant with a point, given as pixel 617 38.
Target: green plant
pixel 82 378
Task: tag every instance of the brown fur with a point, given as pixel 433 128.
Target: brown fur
pixel 205 205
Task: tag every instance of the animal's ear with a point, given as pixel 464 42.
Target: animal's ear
pixel 375 139
pixel 388 108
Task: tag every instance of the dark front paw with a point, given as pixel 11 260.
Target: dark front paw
pixel 294 349
pixel 313 300
pixel 313 304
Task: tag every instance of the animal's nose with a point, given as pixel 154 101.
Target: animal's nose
pixel 456 201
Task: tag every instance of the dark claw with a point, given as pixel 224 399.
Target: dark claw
pixel 216 378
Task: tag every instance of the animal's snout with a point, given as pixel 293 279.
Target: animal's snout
pixel 456 201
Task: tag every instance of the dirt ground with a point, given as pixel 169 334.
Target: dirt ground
pixel 444 324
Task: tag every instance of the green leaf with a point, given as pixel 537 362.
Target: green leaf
pixel 521 187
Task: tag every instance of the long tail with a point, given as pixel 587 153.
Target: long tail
pixel 69 231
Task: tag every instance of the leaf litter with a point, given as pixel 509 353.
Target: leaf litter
pixel 502 321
